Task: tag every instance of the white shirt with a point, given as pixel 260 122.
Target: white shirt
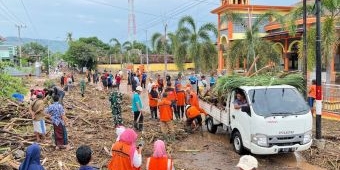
pixel 137 159
pixel 150 87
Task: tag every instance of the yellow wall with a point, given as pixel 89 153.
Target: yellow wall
pixel 153 67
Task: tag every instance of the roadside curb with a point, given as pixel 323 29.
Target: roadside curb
pixel 330 116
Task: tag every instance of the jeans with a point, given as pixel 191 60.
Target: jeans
pixel 174 108
pixel 180 110
pixel 138 124
pixel 153 111
pixel 198 118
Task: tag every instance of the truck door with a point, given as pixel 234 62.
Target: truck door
pixel 240 120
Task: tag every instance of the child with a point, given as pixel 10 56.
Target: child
pixel 84 156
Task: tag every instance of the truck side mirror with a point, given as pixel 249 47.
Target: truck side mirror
pixel 245 109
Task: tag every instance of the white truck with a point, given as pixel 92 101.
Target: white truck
pixel 276 120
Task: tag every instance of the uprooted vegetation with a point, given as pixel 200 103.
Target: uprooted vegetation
pixel 89 122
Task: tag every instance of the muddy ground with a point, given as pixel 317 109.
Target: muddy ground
pixel 90 123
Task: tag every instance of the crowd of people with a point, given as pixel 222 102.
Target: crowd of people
pixel 168 103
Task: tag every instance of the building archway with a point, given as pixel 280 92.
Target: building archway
pixel 293 55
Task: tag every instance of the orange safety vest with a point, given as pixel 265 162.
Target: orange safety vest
pixel 159 163
pixel 165 111
pixel 152 101
pixel 171 94
pixel 180 98
pixel 120 157
pixel 193 111
pixel 193 101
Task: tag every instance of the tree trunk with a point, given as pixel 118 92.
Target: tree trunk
pixel 252 66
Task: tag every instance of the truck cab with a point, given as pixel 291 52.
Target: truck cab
pixel 273 119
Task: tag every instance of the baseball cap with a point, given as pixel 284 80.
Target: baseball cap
pixel 187 106
pixel 247 162
pixel 139 88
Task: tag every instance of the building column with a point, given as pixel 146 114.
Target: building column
pixel 237 64
pixel 286 62
pixel 220 59
pixel 245 64
pixel 285 55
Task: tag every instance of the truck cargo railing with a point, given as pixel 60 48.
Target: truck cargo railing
pixel 331 98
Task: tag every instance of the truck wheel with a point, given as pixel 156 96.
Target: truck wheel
pixel 237 142
pixel 210 126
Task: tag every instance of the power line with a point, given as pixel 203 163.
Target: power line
pixel 29 19
pixel 118 7
pixel 9 12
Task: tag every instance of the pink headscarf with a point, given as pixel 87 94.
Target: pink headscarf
pixel 159 149
pixel 129 136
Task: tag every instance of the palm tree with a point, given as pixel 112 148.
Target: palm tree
pixel 157 42
pixel 178 49
pixel 329 38
pixel 195 37
pixel 117 48
pixel 69 37
pixel 252 46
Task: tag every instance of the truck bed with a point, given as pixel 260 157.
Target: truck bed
pixel 219 115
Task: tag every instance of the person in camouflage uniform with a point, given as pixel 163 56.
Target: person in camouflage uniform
pixel 82 86
pixel 116 99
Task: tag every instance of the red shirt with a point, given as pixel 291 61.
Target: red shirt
pixel 118 78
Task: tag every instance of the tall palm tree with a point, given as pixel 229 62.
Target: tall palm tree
pixel 178 49
pixel 195 37
pixel 117 49
pixel 329 37
pixel 69 37
pixel 252 45
pixel 157 42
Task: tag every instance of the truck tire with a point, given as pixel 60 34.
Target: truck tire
pixel 237 143
pixel 210 125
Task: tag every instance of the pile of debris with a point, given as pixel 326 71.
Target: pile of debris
pixel 89 123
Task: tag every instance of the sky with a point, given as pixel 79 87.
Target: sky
pixel 106 19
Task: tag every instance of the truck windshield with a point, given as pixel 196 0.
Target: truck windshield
pixel 277 102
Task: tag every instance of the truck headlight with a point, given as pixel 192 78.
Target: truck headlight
pixel 259 139
pixel 307 137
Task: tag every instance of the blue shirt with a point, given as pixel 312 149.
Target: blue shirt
pixel 144 76
pixel 136 99
pixel 193 79
pixel 56 111
pixel 212 80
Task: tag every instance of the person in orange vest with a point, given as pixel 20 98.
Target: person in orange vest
pixel 180 97
pixel 172 97
pixel 159 159
pixel 125 155
pixel 312 95
pixel 193 116
pixel 192 98
pixel 166 116
pixel 153 101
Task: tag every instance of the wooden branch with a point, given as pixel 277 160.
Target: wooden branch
pixel 252 66
pixel 266 67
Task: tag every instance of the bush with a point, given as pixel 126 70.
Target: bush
pixel 10 85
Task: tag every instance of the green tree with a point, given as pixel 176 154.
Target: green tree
pixel 117 49
pixel 329 37
pixel 330 10
pixel 69 37
pixel 179 50
pixel 33 51
pixel 81 55
pixel 196 38
pixel 252 45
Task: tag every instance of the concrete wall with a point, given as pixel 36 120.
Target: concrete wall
pixel 153 67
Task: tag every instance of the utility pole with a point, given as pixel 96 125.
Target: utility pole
pixel 305 47
pixel 48 57
pixel 165 55
pixel 318 70
pixel 147 50
pixel 20 41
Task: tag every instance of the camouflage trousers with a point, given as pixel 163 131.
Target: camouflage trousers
pixel 117 117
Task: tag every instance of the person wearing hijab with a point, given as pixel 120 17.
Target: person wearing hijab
pixel 125 155
pixel 32 159
pixel 159 160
